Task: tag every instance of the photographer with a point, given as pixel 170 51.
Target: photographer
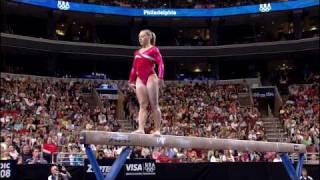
pixel 100 155
pixel 59 173
pixel 305 175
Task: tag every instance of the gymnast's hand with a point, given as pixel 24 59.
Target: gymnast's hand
pixel 161 83
pixel 132 86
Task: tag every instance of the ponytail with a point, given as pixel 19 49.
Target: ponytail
pixel 153 39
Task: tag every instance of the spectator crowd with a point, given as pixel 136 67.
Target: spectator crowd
pixel 177 4
pixel 40 117
pixel 300 115
pixel 43 116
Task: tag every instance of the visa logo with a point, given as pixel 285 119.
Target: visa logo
pixel 134 167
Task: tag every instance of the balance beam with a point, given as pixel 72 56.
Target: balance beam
pixel 129 139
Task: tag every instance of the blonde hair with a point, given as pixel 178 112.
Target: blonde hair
pixel 152 36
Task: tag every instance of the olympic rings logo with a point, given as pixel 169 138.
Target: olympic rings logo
pixel 149 167
pixel 63 5
pixel 265 7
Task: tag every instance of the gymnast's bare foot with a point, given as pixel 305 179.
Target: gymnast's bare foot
pixel 156 133
pixel 138 132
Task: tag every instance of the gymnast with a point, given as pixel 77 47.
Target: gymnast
pixel 145 82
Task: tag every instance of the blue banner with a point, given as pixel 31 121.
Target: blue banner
pixel 140 12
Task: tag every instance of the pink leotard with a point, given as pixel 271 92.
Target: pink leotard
pixel 144 63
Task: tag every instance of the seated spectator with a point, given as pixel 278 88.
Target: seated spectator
pixel 215 157
pixel 13 152
pixel 145 152
pixel 5 155
pixel 277 158
pixel 227 156
pixel 36 157
pixel 26 153
pixel 76 158
pixel 63 157
pixel 49 148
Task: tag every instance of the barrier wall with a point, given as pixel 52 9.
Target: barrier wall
pixel 144 169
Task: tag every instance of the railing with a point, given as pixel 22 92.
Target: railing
pixel 278 102
pixel 69 159
pixel 52 79
pixel 77 159
pixel 309 158
pixel 246 81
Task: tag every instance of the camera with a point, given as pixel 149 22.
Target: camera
pixel 61 168
pixel 100 154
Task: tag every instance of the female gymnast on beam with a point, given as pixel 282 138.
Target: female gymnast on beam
pixel 145 82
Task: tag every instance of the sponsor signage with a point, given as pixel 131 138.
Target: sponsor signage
pixel 7 169
pixel 132 167
pixel 263 92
